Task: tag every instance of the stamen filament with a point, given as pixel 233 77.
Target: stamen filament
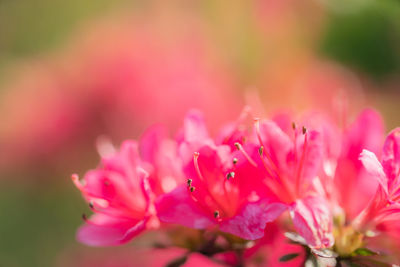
pixel 258 133
pixel 245 112
pixel 300 168
pixel 240 148
pixel 77 182
pixel 196 165
pixel 281 183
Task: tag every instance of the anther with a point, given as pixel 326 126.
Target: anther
pixel 189 182
pixel 294 125
pixel 261 150
pixel 91 205
pixel 192 188
pixel 237 145
pixel 84 217
pixel 304 130
pixel 235 160
pixel 216 214
pixel 230 175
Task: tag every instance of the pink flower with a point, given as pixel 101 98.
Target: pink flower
pixel 384 209
pixel 291 165
pixel 119 194
pixel 220 190
pixel 343 186
pixel 353 187
pixel 160 159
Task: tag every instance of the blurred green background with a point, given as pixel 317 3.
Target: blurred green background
pixel 39 218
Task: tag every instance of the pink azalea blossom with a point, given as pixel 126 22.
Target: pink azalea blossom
pixel 119 194
pixel 243 180
pixel 160 159
pixel 220 189
pixel 261 169
pixel 343 183
pixel 353 187
pixel 290 165
pixel 383 211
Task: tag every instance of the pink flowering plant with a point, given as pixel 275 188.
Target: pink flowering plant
pixel 279 191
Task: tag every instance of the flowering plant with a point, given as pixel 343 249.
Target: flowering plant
pixel 284 191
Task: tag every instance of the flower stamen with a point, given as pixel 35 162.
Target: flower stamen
pixel 303 155
pixel 196 165
pixel 240 148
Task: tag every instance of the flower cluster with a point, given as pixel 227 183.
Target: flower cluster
pixel 287 191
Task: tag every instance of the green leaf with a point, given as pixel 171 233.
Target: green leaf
pixel 364 252
pixel 369 261
pixel 288 257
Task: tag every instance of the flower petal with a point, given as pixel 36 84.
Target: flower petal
pixel 251 221
pixel 178 207
pixel 313 221
pixel 374 167
pixel 150 142
pixel 277 143
pixel 391 156
pixel 313 156
pixel 194 128
pixel 367 132
pixel 102 230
